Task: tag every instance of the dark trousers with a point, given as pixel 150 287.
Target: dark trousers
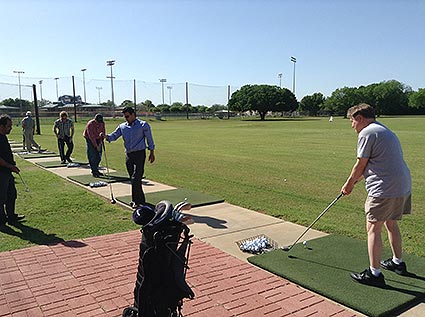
pixel 94 156
pixel 135 163
pixel 8 196
pixel 61 146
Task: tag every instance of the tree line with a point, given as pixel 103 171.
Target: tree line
pixel 387 97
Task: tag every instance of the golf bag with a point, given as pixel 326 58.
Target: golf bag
pixel 163 256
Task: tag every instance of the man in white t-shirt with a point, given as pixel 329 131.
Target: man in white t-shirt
pixel 388 184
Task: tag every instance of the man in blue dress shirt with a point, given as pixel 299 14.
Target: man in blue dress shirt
pixel 137 137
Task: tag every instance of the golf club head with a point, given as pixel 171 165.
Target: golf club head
pixel 287 248
pixel 113 201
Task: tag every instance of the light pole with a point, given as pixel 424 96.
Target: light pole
pixel 19 72
pixel 57 90
pixel 169 92
pixel 280 79
pixel 162 81
pixel 294 60
pixel 98 91
pixel 41 92
pixel 84 83
pixel 111 63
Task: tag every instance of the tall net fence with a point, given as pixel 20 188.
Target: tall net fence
pixel 99 91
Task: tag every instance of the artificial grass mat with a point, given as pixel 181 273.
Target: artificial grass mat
pixel 89 178
pixel 175 196
pixel 324 266
pixel 52 164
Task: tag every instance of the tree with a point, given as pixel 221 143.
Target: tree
pixel 391 97
pixel 342 99
pixel 127 103
pixel 262 98
pixel 312 103
pixel 417 100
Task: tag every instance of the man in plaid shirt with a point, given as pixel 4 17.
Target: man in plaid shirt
pixel 64 131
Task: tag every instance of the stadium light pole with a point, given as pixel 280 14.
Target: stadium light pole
pixel 57 90
pixel 83 70
pixel 162 81
pixel 98 91
pixel 294 60
pixel 169 92
pixel 280 79
pixel 111 63
pixel 19 72
pixel 41 92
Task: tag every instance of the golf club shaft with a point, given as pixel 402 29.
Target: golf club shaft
pixel 107 170
pixel 23 182
pixel 317 219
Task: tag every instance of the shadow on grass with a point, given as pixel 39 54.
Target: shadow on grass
pixel 37 236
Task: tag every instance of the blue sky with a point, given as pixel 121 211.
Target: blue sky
pixel 337 43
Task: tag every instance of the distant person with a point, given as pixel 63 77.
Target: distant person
pixel 331 119
pixel 64 131
pixel 95 128
pixel 28 128
pixel 137 137
pixel 8 192
pixel 388 184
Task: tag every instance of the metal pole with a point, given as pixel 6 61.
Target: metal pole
pixel 57 90
pixel 41 92
pixel 228 98
pixel 187 100
pixel 280 79
pixel 112 63
pixel 19 72
pixel 134 94
pixel 162 81
pixel 294 60
pixel 75 105
pixel 37 119
pixel 84 84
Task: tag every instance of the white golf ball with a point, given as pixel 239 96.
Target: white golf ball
pixel 305 243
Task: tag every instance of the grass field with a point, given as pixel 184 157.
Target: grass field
pixel 288 168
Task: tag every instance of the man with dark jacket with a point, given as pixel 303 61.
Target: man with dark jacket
pixel 8 192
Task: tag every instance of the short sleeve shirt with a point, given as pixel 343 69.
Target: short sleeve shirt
pixel 386 173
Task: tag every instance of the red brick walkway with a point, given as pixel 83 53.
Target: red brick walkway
pixel 95 277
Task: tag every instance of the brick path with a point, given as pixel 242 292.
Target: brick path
pixel 95 277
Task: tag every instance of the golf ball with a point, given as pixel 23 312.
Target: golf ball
pixel 305 243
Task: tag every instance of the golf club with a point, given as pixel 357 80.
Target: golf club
pixel 23 182
pixel 113 201
pixel 288 248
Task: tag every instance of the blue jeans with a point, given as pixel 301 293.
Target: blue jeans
pixel 94 157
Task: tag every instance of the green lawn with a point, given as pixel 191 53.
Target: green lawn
pixel 289 168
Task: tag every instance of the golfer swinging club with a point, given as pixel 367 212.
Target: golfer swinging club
pixel 388 185
pixel 136 133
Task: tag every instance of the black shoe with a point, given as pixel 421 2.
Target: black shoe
pixel 397 268
pixel 16 219
pixel 63 162
pixel 133 205
pixel 366 277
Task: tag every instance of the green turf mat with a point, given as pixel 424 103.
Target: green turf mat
pixel 324 266
pixel 32 155
pixel 50 164
pixel 175 196
pixel 89 178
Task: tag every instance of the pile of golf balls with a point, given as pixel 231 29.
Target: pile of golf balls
pixel 257 245
pixel 98 184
